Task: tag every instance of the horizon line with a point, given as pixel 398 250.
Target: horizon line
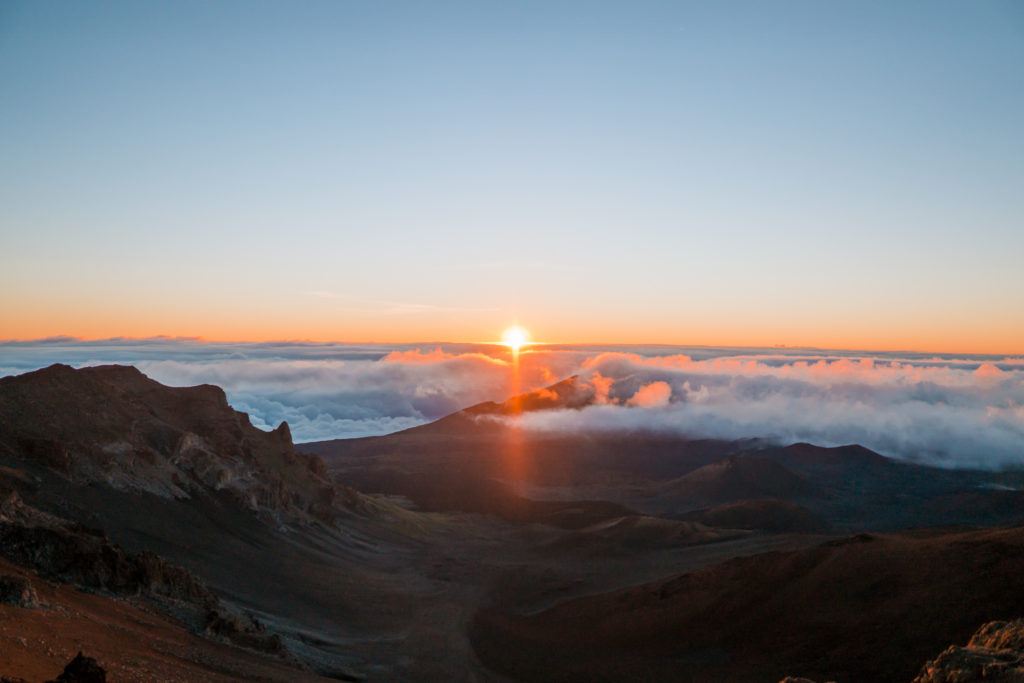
pixel 56 339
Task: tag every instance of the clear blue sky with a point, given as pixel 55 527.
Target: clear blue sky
pixel 832 173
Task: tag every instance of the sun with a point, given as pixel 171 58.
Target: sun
pixel 515 338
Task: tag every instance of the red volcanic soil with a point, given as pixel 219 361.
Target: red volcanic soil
pixel 867 608
pixel 126 637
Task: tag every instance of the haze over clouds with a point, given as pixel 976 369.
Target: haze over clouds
pixel 951 411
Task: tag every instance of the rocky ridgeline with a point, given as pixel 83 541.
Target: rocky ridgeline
pixel 114 425
pixel 995 654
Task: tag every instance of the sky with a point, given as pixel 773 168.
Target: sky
pixel 837 175
pixel 949 410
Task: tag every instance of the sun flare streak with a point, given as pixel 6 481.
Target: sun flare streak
pixel 515 338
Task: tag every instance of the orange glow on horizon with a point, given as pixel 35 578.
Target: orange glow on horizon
pixel 982 334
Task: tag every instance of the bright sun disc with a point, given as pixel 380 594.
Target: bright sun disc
pixel 515 337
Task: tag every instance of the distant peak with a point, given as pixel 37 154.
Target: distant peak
pixel 568 393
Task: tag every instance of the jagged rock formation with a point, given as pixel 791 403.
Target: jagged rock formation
pixel 995 653
pixel 112 424
pixel 82 669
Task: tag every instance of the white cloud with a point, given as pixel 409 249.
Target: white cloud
pixel 953 414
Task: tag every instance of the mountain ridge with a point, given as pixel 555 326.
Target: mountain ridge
pixel 179 442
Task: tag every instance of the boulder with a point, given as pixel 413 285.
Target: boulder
pixel 82 669
pixel 18 591
pixel 994 654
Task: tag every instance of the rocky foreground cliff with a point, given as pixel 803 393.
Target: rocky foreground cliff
pixel 169 499
pixel 113 425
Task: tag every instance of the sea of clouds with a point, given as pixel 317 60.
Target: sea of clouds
pixel 946 410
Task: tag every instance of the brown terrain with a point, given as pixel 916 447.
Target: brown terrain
pixel 869 607
pixel 158 532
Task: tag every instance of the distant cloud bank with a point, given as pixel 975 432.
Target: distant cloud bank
pixel 952 411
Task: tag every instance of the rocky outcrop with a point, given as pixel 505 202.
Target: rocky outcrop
pixel 17 591
pixel 113 425
pixel 82 669
pixel 995 653
pixel 242 630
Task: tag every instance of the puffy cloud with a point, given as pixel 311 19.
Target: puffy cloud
pixel 602 387
pixel 653 395
pixel 988 370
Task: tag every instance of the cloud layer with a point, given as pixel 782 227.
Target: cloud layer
pixel 944 410
pixel 324 391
